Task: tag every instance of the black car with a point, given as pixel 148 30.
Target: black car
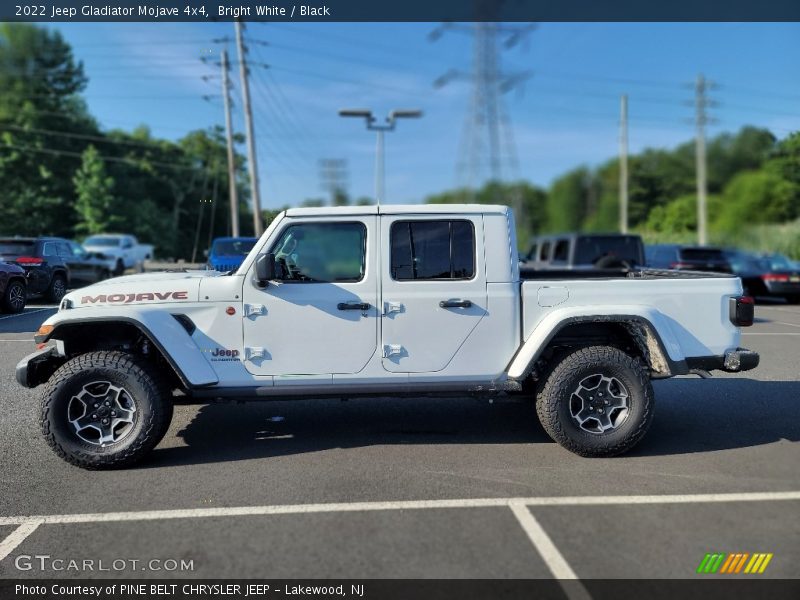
pixel 687 258
pixel 762 276
pixel 13 288
pixel 50 264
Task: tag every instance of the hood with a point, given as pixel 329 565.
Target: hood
pixel 145 288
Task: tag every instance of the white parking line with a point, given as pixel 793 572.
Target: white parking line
pixel 769 333
pixel 28 312
pixel 30 340
pixel 17 537
pixel 289 509
pixel 554 560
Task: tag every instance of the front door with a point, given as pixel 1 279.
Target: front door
pixel 434 289
pixel 321 317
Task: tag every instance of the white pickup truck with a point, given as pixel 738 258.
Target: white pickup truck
pixel 389 301
pixel 123 251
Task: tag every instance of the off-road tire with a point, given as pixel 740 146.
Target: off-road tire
pixel 553 401
pixel 57 288
pixel 149 390
pixel 11 303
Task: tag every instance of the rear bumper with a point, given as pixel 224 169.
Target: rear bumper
pixel 780 288
pixel 733 361
pixel 36 368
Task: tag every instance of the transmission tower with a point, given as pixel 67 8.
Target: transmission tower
pixel 487 150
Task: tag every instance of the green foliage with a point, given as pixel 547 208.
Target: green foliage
pixel 167 193
pixel 94 201
pixel 754 197
pixel 567 201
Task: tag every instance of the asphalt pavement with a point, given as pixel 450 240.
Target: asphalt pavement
pixel 434 488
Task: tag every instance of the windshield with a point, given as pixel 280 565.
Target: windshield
pixel 590 249
pixel 16 247
pixel 101 240
pixel 233 247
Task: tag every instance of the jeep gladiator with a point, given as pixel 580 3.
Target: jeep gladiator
pixel 378 301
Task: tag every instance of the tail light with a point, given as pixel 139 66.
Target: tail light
pixel 775 277
pixel 679 265
pixel 33 261
pixel 742 311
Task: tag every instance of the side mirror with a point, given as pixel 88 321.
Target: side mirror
pixel 265 269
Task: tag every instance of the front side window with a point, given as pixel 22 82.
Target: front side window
pixel 432 250
pixel 561 251
pixel 322 252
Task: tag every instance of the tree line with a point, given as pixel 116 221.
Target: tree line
pixel 60 174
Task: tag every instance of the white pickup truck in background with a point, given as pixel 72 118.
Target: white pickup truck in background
pixel 379 301
pixel 123 251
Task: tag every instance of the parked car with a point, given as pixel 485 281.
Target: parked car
pixel 375 301
pixel 86 267
pixel 227 253
pixel 762 276
pixel 687 258
pixel 585 251
pixel 13 288
pixel 124 249
pixel 44 261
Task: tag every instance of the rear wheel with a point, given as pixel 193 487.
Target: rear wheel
pixel 14 297
pixel 105 410
pixel 596 401
pixel 57 289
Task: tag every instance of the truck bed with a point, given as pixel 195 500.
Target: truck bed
pixel 528 273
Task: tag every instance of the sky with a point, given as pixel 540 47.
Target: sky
pixel 565 114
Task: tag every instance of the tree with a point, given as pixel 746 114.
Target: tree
pixel 567 200
pixel 39 86
pixel 94 202
pixel 756 197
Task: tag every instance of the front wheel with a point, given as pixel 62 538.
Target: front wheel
pixel 105 410
pixel 596 401
pixel 14 298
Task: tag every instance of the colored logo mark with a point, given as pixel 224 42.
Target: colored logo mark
pixel 734 563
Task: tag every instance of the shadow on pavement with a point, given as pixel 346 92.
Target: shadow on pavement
pixel 691 416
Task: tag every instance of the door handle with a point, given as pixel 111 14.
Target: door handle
pixel 455 304
pixel 353 306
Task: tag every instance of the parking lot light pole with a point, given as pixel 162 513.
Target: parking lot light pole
pixel 379 128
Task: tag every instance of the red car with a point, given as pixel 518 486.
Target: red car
pixel 13 288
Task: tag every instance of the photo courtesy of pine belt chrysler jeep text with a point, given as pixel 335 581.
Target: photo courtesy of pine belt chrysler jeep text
pixel 377 301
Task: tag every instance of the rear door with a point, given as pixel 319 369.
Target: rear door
pixel 434 289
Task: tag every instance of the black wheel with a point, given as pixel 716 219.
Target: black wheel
pixel 105 410
pixel 119 268
pixel 597 401
pixel 57 289
pixel 14 297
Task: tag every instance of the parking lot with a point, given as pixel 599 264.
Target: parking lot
pixel 428 488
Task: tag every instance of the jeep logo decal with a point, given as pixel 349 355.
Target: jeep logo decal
pixel 224 352
pixel 127 298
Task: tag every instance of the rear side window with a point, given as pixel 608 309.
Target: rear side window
pixel 432 250
pixel 561 251
pixel 64 250
pixel 49 249
pixel 544 251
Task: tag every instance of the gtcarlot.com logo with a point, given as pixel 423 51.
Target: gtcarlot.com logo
pixel 735 563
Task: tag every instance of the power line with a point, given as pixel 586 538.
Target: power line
pixel 132 161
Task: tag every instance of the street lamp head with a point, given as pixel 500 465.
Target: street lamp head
pixel 356 112
pixel 405 114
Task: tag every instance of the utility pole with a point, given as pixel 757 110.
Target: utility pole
pixel 251 142
pixel 226 94
pixel 701 102
pixel 623 164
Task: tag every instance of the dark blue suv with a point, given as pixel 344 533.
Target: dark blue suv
pixel 227 253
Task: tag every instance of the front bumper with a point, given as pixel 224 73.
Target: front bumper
pixel 36 368
pixel 733 361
